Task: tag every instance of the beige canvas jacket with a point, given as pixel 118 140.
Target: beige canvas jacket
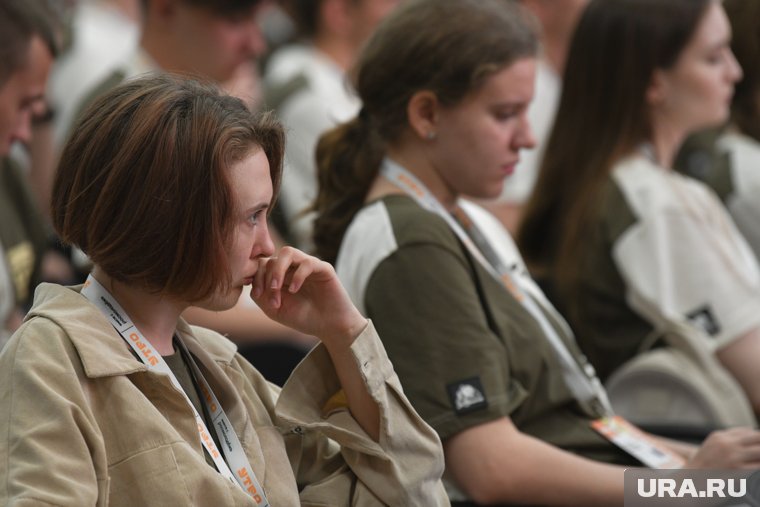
pixel 83 423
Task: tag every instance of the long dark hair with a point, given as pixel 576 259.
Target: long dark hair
pixel 448 47
pixel 602 117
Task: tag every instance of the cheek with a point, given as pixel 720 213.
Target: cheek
pixel 706 85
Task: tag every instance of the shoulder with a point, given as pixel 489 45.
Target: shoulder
pixel 395 222
pixel 745 161
pixel 286 62
pixel 41 345
pixel 384 229
pixel 651 190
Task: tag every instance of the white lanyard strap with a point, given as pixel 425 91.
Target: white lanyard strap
pixel 583 382
pixel 231 447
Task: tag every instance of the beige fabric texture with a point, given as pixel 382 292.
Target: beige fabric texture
pixel 84 423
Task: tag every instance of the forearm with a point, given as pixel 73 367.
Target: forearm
pixel 511 467
pixel 739 357
pixel 687 451
pixel 363 407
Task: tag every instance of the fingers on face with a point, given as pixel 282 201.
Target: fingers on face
pixel 289 270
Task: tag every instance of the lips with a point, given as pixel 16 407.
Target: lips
pixel 509 168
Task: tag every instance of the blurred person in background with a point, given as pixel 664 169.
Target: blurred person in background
pixel 27 47
pixel 728 158
pixel 557 20
pixel 102 34
pixel 624 245
pixel 307 86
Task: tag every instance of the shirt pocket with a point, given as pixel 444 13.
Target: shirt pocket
pixel 151 477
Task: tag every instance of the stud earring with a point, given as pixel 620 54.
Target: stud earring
pixel 430 136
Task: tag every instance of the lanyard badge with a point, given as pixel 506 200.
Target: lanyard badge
pixel 636 443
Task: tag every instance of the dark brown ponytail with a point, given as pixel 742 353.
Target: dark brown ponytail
pixel 348 160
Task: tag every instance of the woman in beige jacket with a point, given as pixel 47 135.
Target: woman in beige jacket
pixel 108 398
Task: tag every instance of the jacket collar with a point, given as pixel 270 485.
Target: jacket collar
pixel 101 349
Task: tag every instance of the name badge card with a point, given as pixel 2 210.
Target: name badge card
pixel 636 443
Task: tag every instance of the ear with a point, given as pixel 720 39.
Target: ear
pixel 422 112
pixel 657 91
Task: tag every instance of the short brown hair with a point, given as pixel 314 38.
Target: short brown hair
pixel 143 186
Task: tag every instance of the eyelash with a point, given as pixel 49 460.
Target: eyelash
pixel 254 219
pixel 505 115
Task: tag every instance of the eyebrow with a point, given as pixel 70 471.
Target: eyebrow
pixel 257 207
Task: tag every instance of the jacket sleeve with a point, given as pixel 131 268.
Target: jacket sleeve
pixel 48 433
pixel 335 461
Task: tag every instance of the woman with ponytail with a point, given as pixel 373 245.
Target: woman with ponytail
pixel 481 354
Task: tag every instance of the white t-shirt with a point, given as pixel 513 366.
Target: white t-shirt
pixel 103 39
pixel 324 102
pixel 744 202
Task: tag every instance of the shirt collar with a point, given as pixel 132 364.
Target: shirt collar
pixel 100 348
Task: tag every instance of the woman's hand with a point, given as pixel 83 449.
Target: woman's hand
pixel 304 293
pixel 728 449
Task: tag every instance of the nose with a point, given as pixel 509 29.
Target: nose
pixel 263 245
pixel 23 130
pixel 524 137
pixel 735 72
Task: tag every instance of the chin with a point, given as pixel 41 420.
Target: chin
pixel 493 191
pixel 222 302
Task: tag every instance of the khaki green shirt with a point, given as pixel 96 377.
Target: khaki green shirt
pixel 83 423
pixel 466 351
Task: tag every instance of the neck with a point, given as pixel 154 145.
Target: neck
pixel 159 49
pixel 416 162
pixel 554 52
pixel 336 50
pixel 666 139
pixel 153 314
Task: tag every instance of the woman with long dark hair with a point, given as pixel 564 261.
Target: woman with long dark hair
pixel 626 245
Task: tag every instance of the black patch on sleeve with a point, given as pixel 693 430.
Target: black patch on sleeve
pixel 704 319
pixel 467 395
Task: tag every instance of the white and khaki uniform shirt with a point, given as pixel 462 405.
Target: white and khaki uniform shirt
pixel 743 201
pixel 663 249
pixel 466 350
